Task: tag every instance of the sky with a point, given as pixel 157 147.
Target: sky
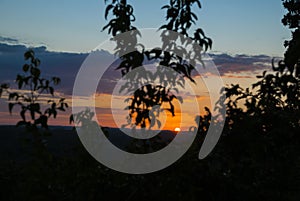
pixel 246 35
pixel 241 69
pixel 236 26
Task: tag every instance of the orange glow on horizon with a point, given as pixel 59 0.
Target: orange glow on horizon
pixel 177 129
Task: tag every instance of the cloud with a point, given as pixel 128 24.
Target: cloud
pixel 66 65
pixel 8 40
pixel 61 64
pixel 228 64
pixel 239 76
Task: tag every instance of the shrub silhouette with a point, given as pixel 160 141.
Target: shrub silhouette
pixel 31 87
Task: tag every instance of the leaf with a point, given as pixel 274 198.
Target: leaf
pixel 106 26
pixel 36 62
pixel 48 111
pixel 61 109
pixel 264 73
pixel 152 122
pixel 209 43
pixel 199 4
pixel 35 72
pixel 44 121
pixel 35 107
pixel 158 123
pixel 164 27
pixel 51 91
pixel 62 100
pixel 108 8
pixel 25 68
pixel 4 86
pixel 175 89
pixel 20 84
pixel 166 6
pixel 56 80
pixel 127 100
pixel 200 31
pixel 21 123
pixel 22 113
pixel 207 109
pixel 172 109
pixel 32 113
pixel 195 16
pixel 13 95
pixel 54 113
pixel 29 54
pixel 180 99
pixel 10 107
pixel 71 119
pixel 124 125
pixel 180 84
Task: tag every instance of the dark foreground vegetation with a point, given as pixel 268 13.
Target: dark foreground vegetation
pixel 256 158
pixel 247 164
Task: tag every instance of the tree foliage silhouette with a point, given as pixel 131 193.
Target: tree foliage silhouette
pixel 291 60
pixel 257 157
pixel 275 95
pixel 258 149
pixel 146 102
pixel 31 87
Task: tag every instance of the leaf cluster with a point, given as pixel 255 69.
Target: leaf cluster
pixel 170 55
pixel 31 87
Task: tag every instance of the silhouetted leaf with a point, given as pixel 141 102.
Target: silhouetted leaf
pixel 44 121
pixel 4 86
pixel 36 62
pixel 152 122
pixel 51 90
pixel 25 67
pixel 158 123
pixel 199 4
pixel 180 99
pixel 32 113
pixel 108 8
pixel 13 96
pixel 71 119
pixel 35 72
pixel 56 80
pixel 22 113
pixel 164 27
pixel 29 54
pixel 20 84
pixel 10 107
pixel 166 6
pixel 61 109
pixel 54 113
pixel 21 123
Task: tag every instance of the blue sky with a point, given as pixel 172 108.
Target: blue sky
pixel 236 26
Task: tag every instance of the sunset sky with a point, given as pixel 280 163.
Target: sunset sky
pixel 246 35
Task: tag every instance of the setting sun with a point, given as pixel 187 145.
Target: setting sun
pixel 177 129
